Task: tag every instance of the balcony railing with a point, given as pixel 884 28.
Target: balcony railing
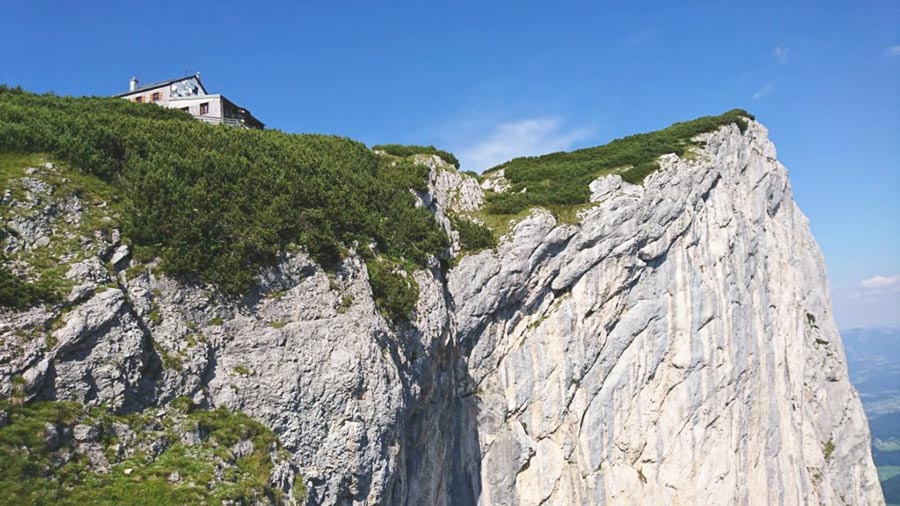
pixel 221 121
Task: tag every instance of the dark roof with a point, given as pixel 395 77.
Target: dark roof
pixel 160 84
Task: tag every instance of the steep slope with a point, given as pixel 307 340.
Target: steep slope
pixel 674 346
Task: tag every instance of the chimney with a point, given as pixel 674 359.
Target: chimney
pixel 133 84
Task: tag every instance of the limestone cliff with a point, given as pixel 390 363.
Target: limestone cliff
pixel 675 346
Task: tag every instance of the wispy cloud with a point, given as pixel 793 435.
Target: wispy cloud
pixel 880 283
pixel 892 50
pixel 876 287
pixel 781 52
pixel 526 137
pixel 871 302
pixel 765 90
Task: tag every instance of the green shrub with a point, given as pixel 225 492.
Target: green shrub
pixel 473 174
pixel 406 174
pixel 18 294
pixel 394 289
pixel 472 236
pixel 828 448
pixel 560 179
pixel 221 202
pixel 409 150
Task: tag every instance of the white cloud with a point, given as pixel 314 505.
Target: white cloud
pixel 527 137
pixel 781 52
pixel 876 287
pixel 765 90
pixel 893 50
pixel 881 282
pixel 871 302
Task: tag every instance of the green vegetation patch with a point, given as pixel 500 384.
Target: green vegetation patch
pixel 402 150
pixel 563 179
pixel 472 236
pixel 17 293
pixel 221 202
pixel 41 469
pixel 474 175
pixel 828 448
pixel 393 287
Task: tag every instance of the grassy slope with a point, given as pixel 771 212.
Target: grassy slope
pixel 32 473
pixel 560 182
pixel 220 202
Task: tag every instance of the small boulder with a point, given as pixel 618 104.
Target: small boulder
pixel 191 436
pixel 121 430
pixel 52 439
pixel 242 449
pixel 121 253
pixel 86 433
pixel 34 378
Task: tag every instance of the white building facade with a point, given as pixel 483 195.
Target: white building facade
pixel 189 95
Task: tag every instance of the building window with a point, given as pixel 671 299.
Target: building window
pixel 186 109
pixel 204 108
pixel 156 97
pixel 139 99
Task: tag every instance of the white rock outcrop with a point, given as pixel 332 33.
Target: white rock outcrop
pixel 675 347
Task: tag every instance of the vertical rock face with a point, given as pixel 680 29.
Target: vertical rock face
pixel 675 347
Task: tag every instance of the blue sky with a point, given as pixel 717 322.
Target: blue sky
pixel 493 80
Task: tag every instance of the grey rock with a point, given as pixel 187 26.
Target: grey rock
pixel 121 430
pixel 90 271
pixel 673 315
pixel 605 186
pixel 53 440
pixel 86 433
pixel 453 190
pixel 495 181
pixel 34 378
pixel 122 252
pixel 191 436
pixel 101 355
pixel 242 449
pixel 96 456
pixel 88 275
